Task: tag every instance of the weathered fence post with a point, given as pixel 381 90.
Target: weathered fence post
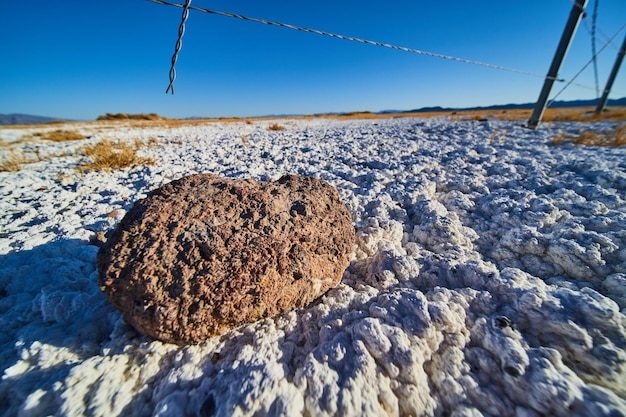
pixel 570 28
pixel 609 83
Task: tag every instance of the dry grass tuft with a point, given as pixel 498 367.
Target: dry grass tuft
pixel 60 135
pixel 152 142
pixel 499 135
pixel 276 127
pixel 616 137
pixel 14 161
pixel 107 155
pixel 585 114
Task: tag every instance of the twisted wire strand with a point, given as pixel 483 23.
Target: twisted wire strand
pixel 593 46
pixel 179 45
pixel 370 42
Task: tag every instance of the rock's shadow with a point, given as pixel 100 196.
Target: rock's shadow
pixel 49 296
pixel 51 305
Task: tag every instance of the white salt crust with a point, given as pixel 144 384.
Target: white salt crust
pixel 488 279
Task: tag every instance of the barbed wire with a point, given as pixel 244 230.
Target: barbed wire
pixel 179 45
pixel 369 42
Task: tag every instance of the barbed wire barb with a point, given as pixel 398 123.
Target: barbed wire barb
pixel 179 45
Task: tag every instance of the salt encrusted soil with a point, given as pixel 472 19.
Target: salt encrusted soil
pixel 489 278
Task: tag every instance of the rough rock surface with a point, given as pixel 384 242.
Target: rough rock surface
pixel 204 254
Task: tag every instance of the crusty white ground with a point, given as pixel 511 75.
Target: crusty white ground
pixel 489 278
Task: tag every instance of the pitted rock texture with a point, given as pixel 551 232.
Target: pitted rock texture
pixel 204 254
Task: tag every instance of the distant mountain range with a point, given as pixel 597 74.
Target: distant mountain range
pixel 25 119
pixel 556 104
pixel 21 119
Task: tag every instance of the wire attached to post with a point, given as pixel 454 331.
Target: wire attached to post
pixel 365 41
pixel 592 60
pixel 593 47
pixel 187 6
pixel 179 45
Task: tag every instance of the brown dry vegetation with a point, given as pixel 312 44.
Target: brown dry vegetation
pixel 276 127
pixel 151 143
pixel 585 114
pixel 60 135
pixel 107 155
pixel 112 121
pixel 13 161
pixel 580 114
pixel 575 114
pixel 616 137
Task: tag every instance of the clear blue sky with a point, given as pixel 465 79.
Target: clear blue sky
pixel 81 59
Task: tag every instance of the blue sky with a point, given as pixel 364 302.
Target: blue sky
pixel 82 59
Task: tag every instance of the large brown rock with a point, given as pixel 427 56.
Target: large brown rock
pixel 204 254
